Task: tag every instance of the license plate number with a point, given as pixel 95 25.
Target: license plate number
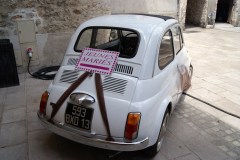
pixel 78 116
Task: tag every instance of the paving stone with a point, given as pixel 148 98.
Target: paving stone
pixel 223 127
pixel 3 91
pixel 235 135
pixel 16 89
pixel 1 110
pixel 190 124
pixel 217 141
pixel 233 130
pixel 230 145
pixel 195 128
pixel 15 99
pixel 201 126
pixel 43 145
pixel 188 136
pixel 33 94
pixel 14 115
pixel 31 82
pixel 236 143
pixel 33 107
pixel 212 87
pixel 228 105
pixel 8 107
pixel 231 96
pixel 207 95
pixel 215 123
pixel 215 129
pixel 210 131
pixel 230 88
pixel 221 133
pixel 192 108
pixel 18 152
pixel 13 133
pixel 202 121
pixel 228 138
pixel 173 148
pixel 237 150
pixel 179 116
pixel 223 148
pixel 203 133
pixel 232 154
pixel 229 131
pixel 187 157
pixel 33 122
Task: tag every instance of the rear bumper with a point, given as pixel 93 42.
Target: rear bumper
pixel 91 141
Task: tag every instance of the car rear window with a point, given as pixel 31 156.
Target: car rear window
pixel 120 40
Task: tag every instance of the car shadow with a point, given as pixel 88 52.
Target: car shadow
pixel 72 150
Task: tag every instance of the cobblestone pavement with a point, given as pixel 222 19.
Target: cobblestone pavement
pixel 225 137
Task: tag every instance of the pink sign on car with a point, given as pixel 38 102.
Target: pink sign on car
pixel 97 61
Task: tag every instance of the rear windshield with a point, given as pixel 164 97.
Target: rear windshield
pixel 113 39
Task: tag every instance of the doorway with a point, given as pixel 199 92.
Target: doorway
pixel 224 11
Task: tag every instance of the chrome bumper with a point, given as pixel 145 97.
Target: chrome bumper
pixel 95 142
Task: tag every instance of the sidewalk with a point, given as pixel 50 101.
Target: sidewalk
pixel 195 131
pixel 216 79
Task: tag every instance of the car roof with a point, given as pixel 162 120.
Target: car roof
pixel 140 22
pixel 150 15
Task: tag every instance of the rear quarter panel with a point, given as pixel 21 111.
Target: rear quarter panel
pixel 151 100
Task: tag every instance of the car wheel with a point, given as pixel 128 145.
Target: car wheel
pixel 153 150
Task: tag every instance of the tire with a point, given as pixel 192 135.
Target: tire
pixel 153 150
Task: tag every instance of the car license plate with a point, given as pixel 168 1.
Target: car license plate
pixel 78 116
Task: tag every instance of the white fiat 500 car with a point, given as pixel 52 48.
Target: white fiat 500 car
pixel 138 97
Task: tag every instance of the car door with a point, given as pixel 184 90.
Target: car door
pixel 180 52
pixel 166 67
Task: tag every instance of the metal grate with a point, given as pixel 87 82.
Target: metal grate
pixel 110 84
pixel 69 76
pixel 114 85
pixel 72 61
pixel 123 69
pixel 120 68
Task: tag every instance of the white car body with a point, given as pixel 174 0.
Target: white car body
pixel 144 87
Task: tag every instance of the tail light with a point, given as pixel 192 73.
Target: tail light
pixel 131 128
pixel 43 103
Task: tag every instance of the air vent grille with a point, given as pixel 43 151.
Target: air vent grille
pixel 69 76
pixel 72 61
pixel 110 84
pixel 120 68
pixel 123 69
pixel 115 85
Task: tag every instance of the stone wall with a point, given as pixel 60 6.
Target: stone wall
pixel 197 12
pixel 55 21
pixel 163 7
pixel 182 12
pixel 50 16
pixel 236 13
